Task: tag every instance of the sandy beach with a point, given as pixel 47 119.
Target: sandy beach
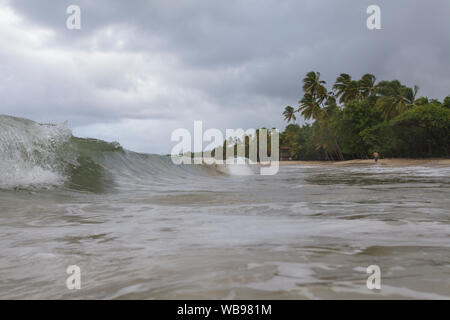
pixel 396 162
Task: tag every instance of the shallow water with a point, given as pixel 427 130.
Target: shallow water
pixel 307 232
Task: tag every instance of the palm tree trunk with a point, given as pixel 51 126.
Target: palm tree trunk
pixel 341 155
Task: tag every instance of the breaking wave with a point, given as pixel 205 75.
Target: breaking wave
pixel 34 155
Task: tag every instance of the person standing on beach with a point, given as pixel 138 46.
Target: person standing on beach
pixel 376 156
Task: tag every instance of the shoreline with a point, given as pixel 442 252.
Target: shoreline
pixel 395 162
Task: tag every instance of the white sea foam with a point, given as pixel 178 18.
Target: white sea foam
pixel 29 153
pixel 240 167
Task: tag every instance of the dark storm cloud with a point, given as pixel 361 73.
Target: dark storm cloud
pixel 229 63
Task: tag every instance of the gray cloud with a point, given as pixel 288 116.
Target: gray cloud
pixel 136 71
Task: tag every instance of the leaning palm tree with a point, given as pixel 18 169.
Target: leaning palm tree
pixel 289 114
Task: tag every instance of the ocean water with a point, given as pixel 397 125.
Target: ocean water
pixel 140 227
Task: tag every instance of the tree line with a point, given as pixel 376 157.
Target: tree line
pixel 358 117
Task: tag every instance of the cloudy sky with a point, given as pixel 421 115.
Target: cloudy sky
pixel 137 70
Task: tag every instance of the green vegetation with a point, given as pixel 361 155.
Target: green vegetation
pixel 359 117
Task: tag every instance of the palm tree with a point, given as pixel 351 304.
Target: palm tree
pixel 310 107
pixel 410 96
pixel 289 114
pixel 313 86
pixel 346 89
pixel 341 86
pixel 367 85
pixel 315 97
pixel 353 91
pixel 403 100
